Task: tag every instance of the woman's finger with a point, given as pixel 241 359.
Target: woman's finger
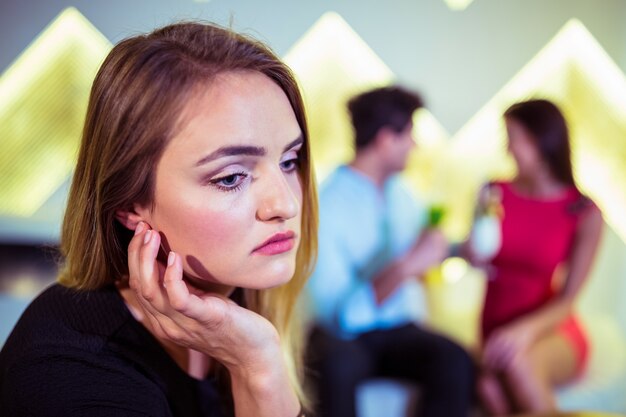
pixel 145 272
pixel 133 256
pixel 506 348
pixel 493 355
pixel 166 328
pixel 175 287
pixel 209 310
pixel 148 270
pixel 487 350
pixel 509 351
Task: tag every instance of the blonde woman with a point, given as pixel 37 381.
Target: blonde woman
pixel 189 232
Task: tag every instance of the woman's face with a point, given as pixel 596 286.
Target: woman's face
pixel 228 196
pixel 523 149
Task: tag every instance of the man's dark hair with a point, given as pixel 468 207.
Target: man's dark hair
pixel 390 107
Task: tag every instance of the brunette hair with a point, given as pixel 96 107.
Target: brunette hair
pixel 390 107
pixel 135 101
pixel 548 129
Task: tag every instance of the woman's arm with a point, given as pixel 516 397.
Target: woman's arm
pixel 267 393
pixel 247 344
pixel 580 261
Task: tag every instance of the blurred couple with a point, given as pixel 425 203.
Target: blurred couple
pixel 375 245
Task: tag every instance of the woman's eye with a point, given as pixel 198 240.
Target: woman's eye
pixel 289 165
pixel 229 182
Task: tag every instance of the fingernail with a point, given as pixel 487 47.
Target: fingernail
pixel 139 228
pixel 147 236
pixel 171 258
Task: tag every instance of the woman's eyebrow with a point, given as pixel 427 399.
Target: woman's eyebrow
pixel 232 151
pixel 247 150
pixel 299 141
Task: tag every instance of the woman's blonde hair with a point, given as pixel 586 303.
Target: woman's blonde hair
pixel 135 101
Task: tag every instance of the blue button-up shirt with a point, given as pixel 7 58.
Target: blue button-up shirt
pixel 362 228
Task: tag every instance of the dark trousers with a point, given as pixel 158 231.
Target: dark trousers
pixel 441 368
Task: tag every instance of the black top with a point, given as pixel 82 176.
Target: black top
pixel 81 353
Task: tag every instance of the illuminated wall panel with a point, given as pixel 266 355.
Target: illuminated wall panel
pixel 332 63
pixel 44 95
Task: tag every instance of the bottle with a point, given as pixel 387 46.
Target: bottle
pixel 486 235
pixel 436 213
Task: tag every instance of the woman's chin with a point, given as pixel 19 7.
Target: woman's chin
pixel 271 277
pixel 254 276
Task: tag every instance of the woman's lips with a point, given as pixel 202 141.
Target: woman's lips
pixel 279 243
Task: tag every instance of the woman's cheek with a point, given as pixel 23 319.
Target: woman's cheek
pixel 219 230
pixel 213 243
pixel 296 188
pixel 194 221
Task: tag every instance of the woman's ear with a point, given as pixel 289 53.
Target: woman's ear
pixel 131 218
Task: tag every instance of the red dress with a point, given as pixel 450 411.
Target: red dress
pixel 537 236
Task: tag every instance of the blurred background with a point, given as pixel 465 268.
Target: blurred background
pixel 469 59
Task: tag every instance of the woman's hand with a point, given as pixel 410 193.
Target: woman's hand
pixel 506 343
pixel 209 323
pixel 244 342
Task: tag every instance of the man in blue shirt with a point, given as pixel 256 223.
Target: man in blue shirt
pixel 366 295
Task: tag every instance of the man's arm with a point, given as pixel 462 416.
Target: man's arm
pixel 429 250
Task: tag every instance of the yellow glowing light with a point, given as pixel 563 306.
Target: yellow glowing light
pixel 332 64
pixel 574 71
pixel 454 269
pixel 44 94
pixel 458 4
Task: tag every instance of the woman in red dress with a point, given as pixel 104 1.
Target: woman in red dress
pixel 532 340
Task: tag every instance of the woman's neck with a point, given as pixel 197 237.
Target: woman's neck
pixel 540 186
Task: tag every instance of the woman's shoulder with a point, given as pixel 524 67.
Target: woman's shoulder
pixel 97 312
pixel 62 322
pixel 66 380
pixel 57 360
pixel 581 205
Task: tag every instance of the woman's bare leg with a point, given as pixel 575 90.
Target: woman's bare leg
pixel 532 376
